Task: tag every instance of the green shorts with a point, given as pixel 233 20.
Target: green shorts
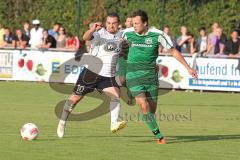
pixel 142 78
pixel 150 89
pixel 122 69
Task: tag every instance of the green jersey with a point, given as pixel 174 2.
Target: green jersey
pixel 143 52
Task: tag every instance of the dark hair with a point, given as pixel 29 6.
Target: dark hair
pixel 142 14
pixel 45 30
pixel 114 14
pixel 201 28
pixel 64 31
pixel 69 34
pixel 57 23
pixel 234 30
pixel 7 28
pixel 128 16
pixel 27 21
pixel 166 26
pixel 190 34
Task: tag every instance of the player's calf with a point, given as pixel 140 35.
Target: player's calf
pixel 67 109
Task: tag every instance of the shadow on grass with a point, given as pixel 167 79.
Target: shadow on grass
pixel 202 105
pixel 201 138
pixel 198 138
pixel 147 139
pixel 115 135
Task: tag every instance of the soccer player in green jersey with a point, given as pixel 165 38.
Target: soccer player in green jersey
pixel 141 77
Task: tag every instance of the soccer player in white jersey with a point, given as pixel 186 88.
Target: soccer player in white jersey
pixel 106 46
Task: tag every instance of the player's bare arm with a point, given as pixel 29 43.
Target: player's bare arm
pixel 176 54
pixel 88 34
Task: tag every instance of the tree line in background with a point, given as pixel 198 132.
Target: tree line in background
pixel 174 13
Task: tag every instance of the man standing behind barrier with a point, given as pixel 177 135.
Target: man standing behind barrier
pixel 142 78
pixel 36 34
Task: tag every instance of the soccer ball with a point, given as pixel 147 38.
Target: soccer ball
pixel 29 131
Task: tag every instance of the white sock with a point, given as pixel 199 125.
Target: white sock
pixel 114 110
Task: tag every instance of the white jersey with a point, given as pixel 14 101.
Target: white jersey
pixel 106 47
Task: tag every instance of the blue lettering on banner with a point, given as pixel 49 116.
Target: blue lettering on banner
pixel 212 70
pixel 214 83
pixel 55 67
pixel 73 69
pixel 67 69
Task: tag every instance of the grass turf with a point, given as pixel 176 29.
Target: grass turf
pixel 197 126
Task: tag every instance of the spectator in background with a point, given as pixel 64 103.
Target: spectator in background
pixel 72 42
pixel 1 34
pixel 19 39
pixel 202 40
pixel 48 41
pixel 182 41
pixel 61 40
pixel 54 31
pixel 128 22
pixel 212 39
pixel 232 48
pixel 220 43
pixel 26 29
pixel 36 34
pixel 7 38
pixel 166 30
pixel 193 48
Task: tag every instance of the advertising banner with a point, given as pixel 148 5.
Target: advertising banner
pixel 6 64
pixel 53 66
pixel 213 74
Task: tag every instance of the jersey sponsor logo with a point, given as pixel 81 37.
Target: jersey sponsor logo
pixel 148 41
pixel 141 45
pixel 110 46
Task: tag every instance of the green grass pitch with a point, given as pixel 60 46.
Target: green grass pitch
pixel 197 126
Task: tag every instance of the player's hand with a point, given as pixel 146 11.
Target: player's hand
pixel 193 73
pixel 96 27
pixel 99 26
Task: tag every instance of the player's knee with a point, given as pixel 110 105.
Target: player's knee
pixel 144 106
pixel 115 99
pixel 74 99
pixel 141 101
pixel 122 81
pixel 115 95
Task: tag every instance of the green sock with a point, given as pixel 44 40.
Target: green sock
pixel 152 124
